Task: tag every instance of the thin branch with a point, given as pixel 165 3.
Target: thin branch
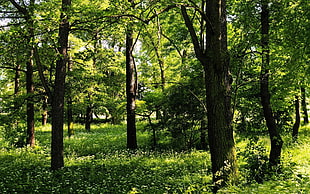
pixel 174 45
pixel 160 12
pixel 203 15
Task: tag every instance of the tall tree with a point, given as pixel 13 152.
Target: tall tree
pixel 211 51
pixel 275 138
pixel 304 105
pixel 131 88
pixel 28 14
pixel 297 119
pixel 30 104
pixel 57 160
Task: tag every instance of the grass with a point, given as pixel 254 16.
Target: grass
pixel 98 162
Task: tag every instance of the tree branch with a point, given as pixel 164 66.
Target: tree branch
pixel 41 74
pixel 192 32
pixel 20 8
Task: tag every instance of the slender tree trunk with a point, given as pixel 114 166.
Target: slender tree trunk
pixel 213 55
pixel 304 105
pixel 57 157
pixel 275 138
pixel 29 78
pixel 16 84
pixel 30 105
pixel 297 119
pixel 130 90
pixel 16 90
pixel 45 112
pixel 27 13
pixel 88 117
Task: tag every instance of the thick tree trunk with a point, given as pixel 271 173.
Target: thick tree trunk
pixel 213 55
pixel 131 89
pixel 57 157
pixel 30 105
pixel 218 86
pixel 304 105
pixel 275 138
pixel 297 119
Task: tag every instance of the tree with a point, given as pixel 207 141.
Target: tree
pixel 304 105
pixel 57 160
pixel 275 138
pixel 212 53
pixel 131 87
pixel 297 119
pixel 28 14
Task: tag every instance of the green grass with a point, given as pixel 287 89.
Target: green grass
pixel 98 162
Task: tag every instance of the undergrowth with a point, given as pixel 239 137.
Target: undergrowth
pixel 98 162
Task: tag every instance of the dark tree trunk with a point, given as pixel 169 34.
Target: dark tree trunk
pixel 297 119
pixel 29 78
pixel 30 105
pixel 218 86
pixel 45 112
pixel 16 83
pixel 16 88
pixel 275 138
pixel 213 55
pixel 88 118
pixel 130 90
pixel 57 155
pixel 304 105
pixel 27 13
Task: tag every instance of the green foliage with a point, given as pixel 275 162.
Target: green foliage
pixel 184 116
pixel 98 162
pixel 256 158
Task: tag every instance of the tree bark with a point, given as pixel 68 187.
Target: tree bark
pixel 213 55
pixel 304 105
pixel 297 119
pixel 275 138
pixel 16 84
pixel 131 89
pixel 88 117
pixel 30 105
pixel 45 112
pixel 57 157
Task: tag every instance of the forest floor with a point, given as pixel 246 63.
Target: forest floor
pixel 97 162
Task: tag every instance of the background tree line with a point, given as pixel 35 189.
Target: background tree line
pixel 194 72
